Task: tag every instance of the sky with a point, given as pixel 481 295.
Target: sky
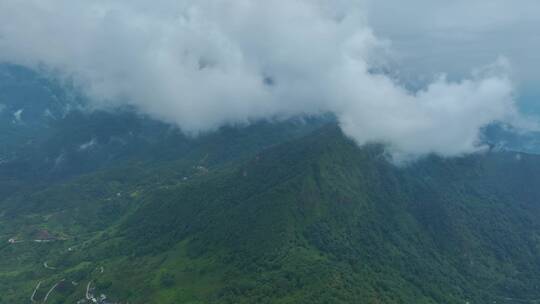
pixel 434 36
pixel 422 77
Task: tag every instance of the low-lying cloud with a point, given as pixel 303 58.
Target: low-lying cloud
pixel 205 63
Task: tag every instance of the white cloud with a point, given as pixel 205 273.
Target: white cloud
pixel 431 36
pixel 201 64
pixel 17 115
pixel 87 145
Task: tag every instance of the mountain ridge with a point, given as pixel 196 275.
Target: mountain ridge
pixel 273 212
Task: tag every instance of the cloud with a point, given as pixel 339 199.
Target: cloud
pixel 431 36
pixel 202 64
pixel 87 145
pixel 17 116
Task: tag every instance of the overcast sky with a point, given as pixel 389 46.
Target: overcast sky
pixel 201 64
pixel 436 36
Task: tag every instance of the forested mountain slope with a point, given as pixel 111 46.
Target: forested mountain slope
pixel 312 220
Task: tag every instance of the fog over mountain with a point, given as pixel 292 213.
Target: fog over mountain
pixel 204 64
pixel 272 152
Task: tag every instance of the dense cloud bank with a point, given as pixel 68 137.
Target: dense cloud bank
pixel 205 63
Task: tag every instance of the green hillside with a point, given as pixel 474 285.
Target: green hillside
pixel 307 219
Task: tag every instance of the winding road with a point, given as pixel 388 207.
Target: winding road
pixel 51 290
pixel 47 266
pixel 88 297
pixel 34 293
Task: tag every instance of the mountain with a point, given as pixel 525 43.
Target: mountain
pixel 312 220
pixel 114 203
pixel 48 133
pixel 508 138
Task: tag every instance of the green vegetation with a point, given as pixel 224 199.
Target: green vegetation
pixel 273 212
pixel 312 220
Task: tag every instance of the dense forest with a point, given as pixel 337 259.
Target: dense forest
pixel 117 204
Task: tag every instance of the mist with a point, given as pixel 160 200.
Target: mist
pixel 204 64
